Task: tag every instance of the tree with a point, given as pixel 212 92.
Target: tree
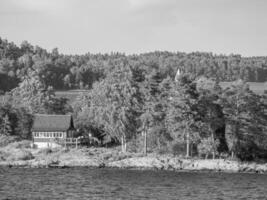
pixel 14 120
pixel 112 105
pixel 155 92
pixel 246 121
pixel 210 110
pixel 183 111
pixel 35 96
pixel 6 128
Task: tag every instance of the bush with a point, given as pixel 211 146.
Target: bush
pixel 16 155
pixel 136 144
pixel 179 149
pixel 207 147
pixel 107 156
pixel 20 144
pixel 5 140
pixel 163 150
pixel 3 155
pixel 45 151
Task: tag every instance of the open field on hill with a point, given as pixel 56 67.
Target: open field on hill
pixel 258 88
pixel 71 95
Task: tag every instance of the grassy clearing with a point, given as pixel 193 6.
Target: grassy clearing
pixel 71 95
pixel 258 88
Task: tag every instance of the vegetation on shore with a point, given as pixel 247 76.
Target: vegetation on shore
pixel 19 154
pixel 133 101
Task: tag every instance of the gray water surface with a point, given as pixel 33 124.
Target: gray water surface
pixel 84 183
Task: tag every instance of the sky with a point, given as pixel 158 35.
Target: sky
pixel 138 26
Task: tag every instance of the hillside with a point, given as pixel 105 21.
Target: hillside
pixel 71 72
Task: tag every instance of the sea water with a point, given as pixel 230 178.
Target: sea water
pixel 86 183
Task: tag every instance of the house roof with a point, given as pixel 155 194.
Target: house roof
pixel 52 123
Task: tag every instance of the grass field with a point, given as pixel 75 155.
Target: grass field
pixel 258 88
pixel 71 95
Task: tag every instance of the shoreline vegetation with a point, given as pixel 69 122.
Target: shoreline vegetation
pixel 19 155
pixel 159 103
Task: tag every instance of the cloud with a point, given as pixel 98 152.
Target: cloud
pixel 151 4
pixel 152 13
pixel 36 5
pixel 144 3
pixel 33 6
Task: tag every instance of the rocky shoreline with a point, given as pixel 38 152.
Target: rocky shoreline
pixel 111 158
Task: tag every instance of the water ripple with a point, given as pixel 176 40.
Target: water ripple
pixel 83 183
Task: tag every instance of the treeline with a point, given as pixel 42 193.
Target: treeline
pixel 135 102
pixel 148 111
pixel 81 71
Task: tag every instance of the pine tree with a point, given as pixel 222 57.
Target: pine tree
pixel 5 127
pixel 183 113
pixel 210 110
pixel 246 120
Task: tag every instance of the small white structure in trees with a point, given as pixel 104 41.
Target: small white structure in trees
pixel 178 73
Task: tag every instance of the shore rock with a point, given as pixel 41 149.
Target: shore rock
pixel 104 157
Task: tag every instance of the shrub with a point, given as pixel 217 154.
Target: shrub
pixel 5 140
pixel 20 155
pixel 20 144
pixel 207 147
pixel 178 149
pixel 163 150
pixel 136 144
pixel 3 155
pixel 107 156
pixel 45 151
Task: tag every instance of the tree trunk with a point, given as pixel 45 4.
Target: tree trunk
pixel 213 144
pixel 125 145
pixel 187 144
pixel 145 142
pixel 122 144
pixel 158 142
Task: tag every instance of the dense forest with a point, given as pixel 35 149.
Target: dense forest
pixel 64 72
pixel 137 102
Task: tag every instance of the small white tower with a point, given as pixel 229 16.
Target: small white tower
pixel 177 75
